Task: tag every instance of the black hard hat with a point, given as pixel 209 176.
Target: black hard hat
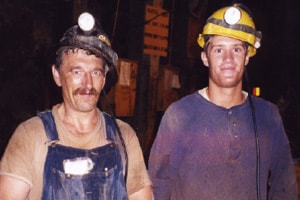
pixel 90 36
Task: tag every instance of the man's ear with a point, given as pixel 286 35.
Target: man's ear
pixel 204 58
pixel 103 84
pixel 56 75
pixel 247 58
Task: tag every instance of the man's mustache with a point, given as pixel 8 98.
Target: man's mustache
pixel 85 91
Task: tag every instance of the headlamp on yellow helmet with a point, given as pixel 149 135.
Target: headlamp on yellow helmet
pixel 232 22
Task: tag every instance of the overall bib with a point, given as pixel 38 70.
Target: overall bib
pixel 104 178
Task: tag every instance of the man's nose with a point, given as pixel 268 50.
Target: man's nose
pixel 228 55
pixel 88 80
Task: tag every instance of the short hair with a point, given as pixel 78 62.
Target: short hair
pixel 206 40
pixel 65 49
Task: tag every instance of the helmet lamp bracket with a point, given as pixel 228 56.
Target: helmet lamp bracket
pixel 86 21
pixel 232 15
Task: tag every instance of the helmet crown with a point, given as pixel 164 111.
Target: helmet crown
pixel 234 22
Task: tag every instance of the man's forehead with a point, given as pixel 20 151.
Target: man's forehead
pixel 80 52
pixel 224 39
pixel 81 56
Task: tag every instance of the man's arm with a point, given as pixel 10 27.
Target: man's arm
pixel 144 194
pixel 160 168
pixel 283 184
pixel 12 188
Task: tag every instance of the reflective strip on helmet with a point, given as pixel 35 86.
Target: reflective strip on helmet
pixel 238 27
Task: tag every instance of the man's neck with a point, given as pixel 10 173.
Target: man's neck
pixel 78 123
pixel 225 97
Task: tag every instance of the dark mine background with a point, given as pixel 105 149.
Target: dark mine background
pixel 29 31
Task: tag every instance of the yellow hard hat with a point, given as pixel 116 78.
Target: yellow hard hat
pixel 234 22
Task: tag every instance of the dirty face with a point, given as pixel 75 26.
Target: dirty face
pixel 81 77
pixel 226 58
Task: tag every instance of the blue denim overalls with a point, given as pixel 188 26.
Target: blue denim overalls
pixel 104 181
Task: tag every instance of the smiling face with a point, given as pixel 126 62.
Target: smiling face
pixel 226 58
pixel 82 77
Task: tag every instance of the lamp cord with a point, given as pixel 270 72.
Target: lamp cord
pixel 257 146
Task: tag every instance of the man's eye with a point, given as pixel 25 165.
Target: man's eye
pixel 218 50
pixel 239 50
pixel 76 72
pixel 98 73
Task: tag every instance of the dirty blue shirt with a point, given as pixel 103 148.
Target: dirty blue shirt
pixel 203 151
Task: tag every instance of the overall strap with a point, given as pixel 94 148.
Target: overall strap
pixel 110 127
pixel 113 133
pixel 49 125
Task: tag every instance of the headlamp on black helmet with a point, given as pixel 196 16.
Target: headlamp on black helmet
pixel 89 35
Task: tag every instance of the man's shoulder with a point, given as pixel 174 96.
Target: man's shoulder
pixel 31 123
pixel 187 99
pixel 32 128
pixel 186 102
pixel 261 102
pixel 115 122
